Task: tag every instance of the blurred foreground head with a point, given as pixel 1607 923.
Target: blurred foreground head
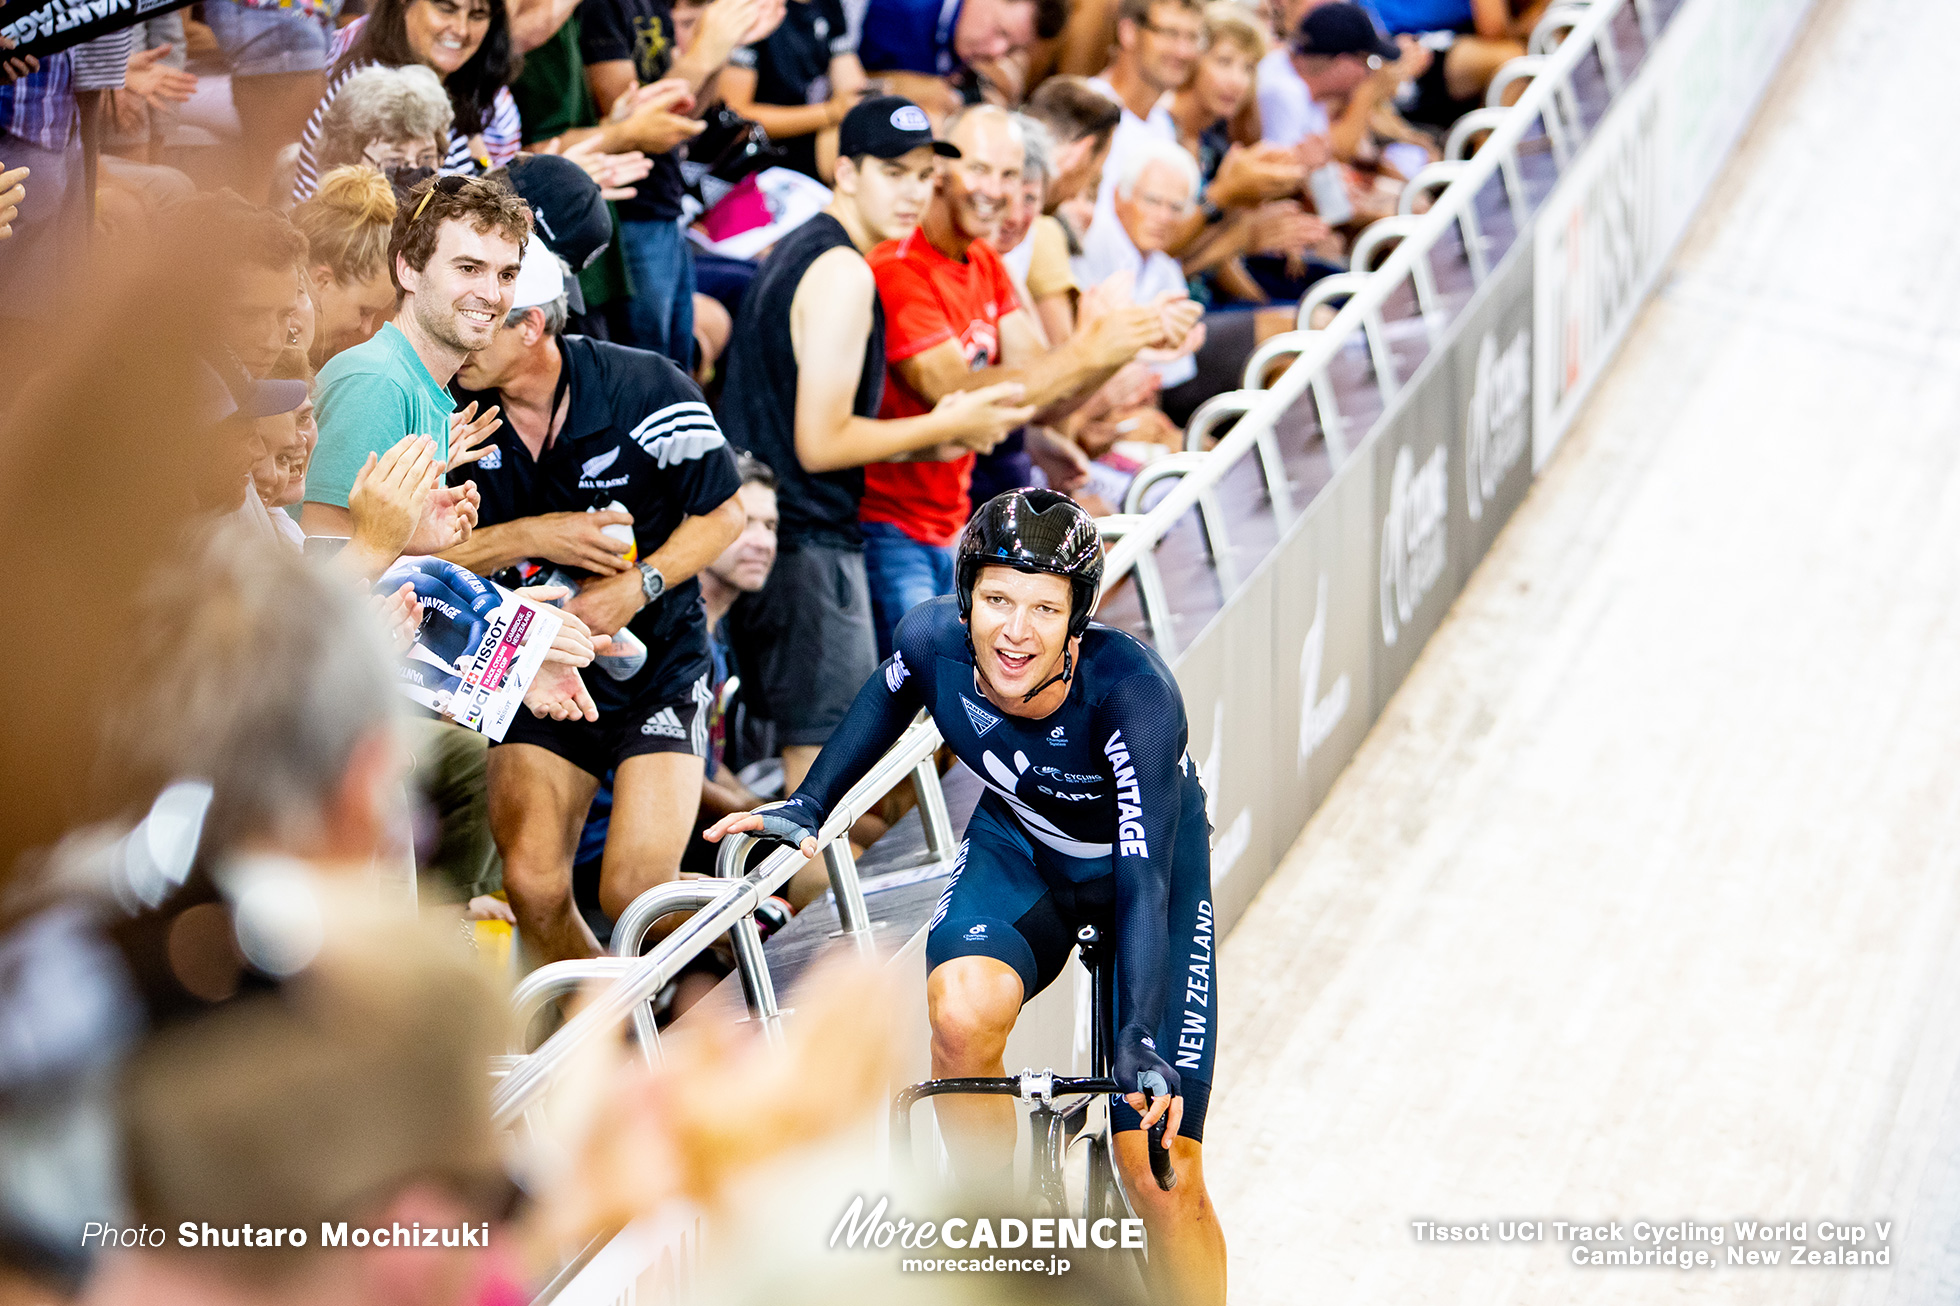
pixel 354 1092
pixel 108 454
pixel 266 678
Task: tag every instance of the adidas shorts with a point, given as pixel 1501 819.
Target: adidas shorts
pixel 1020 903
pixel 673 720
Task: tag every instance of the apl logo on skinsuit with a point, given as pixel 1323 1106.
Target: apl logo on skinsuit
pixel 1319 717
pixel 1498 430
pixel 1415 536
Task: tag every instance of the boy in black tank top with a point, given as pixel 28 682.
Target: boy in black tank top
pixel 805 375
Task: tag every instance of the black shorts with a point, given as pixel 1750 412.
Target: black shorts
pixel 1435 106
pixel 667 718
pixel 1020 902
pixel 807 641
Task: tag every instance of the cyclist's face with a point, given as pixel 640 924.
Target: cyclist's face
pixel 1019 627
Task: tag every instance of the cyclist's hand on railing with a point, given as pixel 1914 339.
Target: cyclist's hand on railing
pixel 786 823
pixel 1137 1063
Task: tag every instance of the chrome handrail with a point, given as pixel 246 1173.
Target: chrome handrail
pixel 1136 537
pixel 725 903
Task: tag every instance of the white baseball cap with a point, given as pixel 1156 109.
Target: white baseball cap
pixel 540 278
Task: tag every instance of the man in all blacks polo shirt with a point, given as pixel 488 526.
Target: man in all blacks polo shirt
pixel 599 436
pixel 806 373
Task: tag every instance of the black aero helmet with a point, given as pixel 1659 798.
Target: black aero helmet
pixel 1034 530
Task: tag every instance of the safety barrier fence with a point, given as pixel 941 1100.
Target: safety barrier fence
pixel 1284 682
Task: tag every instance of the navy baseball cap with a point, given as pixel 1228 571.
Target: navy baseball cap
pixel 1339 29
pixel 570 216
pixel 225 391
pixel 887 127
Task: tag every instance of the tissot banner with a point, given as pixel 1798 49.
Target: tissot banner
pixel 1493 364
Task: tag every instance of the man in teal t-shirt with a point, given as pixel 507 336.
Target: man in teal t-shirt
pixel 367 398
pixel 455 253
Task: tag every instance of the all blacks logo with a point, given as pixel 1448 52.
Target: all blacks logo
pixel 1415 536
pixel 1499 426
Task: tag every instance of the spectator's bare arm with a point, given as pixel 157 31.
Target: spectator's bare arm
pixel 650 119
pixel 607 605
pixel 725 24
pixel 829 320
pixel 781 121
pixel 571 539
pixel 1053 380
pixel 533 22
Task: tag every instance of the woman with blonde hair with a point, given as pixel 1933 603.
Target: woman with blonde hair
pixel 346 225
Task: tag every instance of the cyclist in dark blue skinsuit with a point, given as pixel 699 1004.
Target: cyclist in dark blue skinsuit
pixel 1093 814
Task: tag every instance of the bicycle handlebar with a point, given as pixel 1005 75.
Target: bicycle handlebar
pixel 1161 1168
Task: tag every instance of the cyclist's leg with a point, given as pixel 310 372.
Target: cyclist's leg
pixel 995 941
pixel 1187 1246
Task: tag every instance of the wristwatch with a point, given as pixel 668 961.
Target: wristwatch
pixel 652 583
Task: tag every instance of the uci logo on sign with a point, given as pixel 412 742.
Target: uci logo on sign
pixel 1415 536
pixel 1499 427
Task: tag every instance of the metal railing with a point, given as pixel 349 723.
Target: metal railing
pixel 720 905
pixel 1548 98
pixel 727 903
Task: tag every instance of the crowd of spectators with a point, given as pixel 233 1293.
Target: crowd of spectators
pixel 708 322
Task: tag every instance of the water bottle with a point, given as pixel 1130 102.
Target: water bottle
pixel 628 653
pixel 1328 186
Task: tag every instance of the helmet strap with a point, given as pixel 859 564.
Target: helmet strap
pixel 1066 674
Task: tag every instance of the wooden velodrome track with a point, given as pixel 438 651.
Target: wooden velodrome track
pixel 1641 900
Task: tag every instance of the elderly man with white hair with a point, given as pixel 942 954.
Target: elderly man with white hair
pixel 1155 188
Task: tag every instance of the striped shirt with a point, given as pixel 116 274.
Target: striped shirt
pixel 102 64
pixel 40 107
pixel 502 138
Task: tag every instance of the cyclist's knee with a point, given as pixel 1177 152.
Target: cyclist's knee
pixel 1186 1201
pixel 973 1002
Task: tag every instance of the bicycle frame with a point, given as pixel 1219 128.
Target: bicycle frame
pixel 1053 1128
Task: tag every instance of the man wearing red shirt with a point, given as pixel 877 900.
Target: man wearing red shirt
pixel 953 322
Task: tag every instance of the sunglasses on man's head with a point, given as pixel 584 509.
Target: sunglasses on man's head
pixel 448 185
